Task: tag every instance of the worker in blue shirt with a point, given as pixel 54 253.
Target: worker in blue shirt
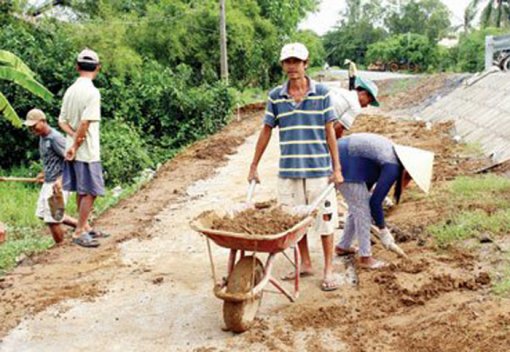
pixel 371 164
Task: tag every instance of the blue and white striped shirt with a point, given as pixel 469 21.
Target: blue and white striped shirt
pixel 304 152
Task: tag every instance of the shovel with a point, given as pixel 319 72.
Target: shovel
pixel 19 179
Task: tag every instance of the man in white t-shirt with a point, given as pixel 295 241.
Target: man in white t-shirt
pixel 79 118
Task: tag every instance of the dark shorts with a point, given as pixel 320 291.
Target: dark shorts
pixel 83 178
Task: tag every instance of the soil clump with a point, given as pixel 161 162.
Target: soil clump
pixel 272 220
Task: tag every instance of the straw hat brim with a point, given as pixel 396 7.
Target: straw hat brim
pixel 418 163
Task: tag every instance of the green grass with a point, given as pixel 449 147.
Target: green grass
pixel 250 95
pixel 26 234
pixel 469 224
pixel 502 286
pixel 475 205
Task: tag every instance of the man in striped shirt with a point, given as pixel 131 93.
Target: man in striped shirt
pixel 303 112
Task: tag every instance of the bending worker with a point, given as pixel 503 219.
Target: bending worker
pixel 348 103
pixel 369 159
pixel 51 149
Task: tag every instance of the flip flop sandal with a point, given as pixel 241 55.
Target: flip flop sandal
pixel 343 252
pixel 85 240
pixel 292 276
pixel 333 284
pixel 98 234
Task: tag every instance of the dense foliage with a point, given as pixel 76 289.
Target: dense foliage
pixel 368 22
pixel 160 69
pixel 409 48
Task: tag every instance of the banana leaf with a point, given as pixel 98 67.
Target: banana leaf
pixel 25 81
pixel 9 113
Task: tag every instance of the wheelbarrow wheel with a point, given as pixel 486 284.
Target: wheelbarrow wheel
pixel 239 316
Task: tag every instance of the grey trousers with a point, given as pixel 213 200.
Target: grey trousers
pixel 359 219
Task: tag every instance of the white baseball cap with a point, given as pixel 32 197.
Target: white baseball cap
pixel 418 163
pixel 88 56
pixel 297 50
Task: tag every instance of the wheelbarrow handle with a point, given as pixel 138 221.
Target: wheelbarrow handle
pixel 315 204
pixel 251 190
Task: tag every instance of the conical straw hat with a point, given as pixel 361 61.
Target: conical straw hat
pixel 418 163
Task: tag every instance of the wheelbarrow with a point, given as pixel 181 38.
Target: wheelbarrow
pixel 243 288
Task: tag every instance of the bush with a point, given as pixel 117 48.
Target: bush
pixel 410 48
pixel 123 152
pixel 471 50
pixel 165 106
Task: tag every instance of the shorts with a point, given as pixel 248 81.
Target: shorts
pixel 43 211
pixel 83 178
pixel 303 191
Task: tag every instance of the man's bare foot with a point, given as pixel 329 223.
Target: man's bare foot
pixel 372 263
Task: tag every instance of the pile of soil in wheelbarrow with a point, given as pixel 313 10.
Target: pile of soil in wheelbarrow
pixel 258 220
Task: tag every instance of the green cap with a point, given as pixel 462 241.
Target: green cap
pixel 369 86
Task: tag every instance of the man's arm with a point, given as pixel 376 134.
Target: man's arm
pixel 333 150
pixel 79 137
pixel 262 142
pixel 66 127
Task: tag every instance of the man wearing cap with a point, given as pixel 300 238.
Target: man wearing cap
pixel 79 118
pixel 369 159
pixel 51 150
pixel 302 110
pixel 348 103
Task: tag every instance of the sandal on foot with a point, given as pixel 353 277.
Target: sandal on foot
pixel 377 264
pixel 98 234
pixel 332 284
pixel 341 251
pixel 85 240
pixel 292 275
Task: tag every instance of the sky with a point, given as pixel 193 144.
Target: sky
pixel 329 14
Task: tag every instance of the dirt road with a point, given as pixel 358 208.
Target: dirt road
pixel 149 287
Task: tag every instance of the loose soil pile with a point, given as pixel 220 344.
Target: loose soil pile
pixel 257 221
pixel 451 159
pixel 398 94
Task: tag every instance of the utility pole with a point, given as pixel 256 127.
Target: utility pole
pixel 223 42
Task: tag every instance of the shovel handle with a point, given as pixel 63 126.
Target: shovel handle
pixel 251 190
pixel 19 179
pixel 320 198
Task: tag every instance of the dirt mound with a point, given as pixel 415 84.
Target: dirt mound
pixel 399 308
pixel 217 148
pixel 256 221
pixel 451 159
pixel 397 94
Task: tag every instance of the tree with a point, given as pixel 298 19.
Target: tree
pixel 471 49
pixel 285 14
pixel 13 69
pixel 314 45
pixel 410 48
pixel 495 14
pixel 358 29
pixel 429 17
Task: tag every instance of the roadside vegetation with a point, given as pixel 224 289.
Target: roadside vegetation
pixel 476 207
pixel 373 32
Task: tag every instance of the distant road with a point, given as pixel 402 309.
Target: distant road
pixel 373 75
